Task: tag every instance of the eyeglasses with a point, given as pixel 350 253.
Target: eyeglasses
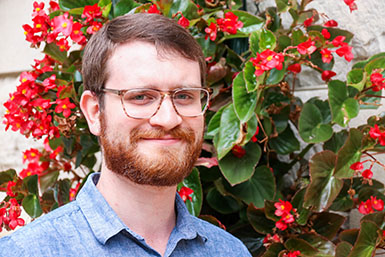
pixel 143 103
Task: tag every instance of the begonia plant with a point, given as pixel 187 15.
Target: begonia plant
pixel 254 177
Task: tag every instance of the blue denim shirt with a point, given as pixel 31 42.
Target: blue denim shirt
pixel 89 227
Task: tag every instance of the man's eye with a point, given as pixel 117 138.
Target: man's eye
pixel 139 98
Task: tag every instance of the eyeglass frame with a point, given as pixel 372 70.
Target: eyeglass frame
pixel 170 93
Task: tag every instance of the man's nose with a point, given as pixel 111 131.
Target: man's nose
pixel 166 116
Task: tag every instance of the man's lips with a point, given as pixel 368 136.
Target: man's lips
pixel 162 140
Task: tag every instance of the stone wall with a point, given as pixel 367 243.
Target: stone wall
pixel 367 23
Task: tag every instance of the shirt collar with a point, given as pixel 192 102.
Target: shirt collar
pixel 105 223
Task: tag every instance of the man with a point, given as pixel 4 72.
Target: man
pixel 143 76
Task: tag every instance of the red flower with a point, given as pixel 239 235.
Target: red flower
pixel 281 225
pixel 307 47
pixel 288 218
pixel 346 51
pixel 230 23
pixel 238 151
pixel 327 75
pixel 282 208
pixel 95 26
pixel 292 254
pixel 273 239
pixel 49 83
pixel 211 31
pixel 254 138
pixel 77 35
pixel 352 5
pixel 54 6
pixel 62 24
pixel 31 155
pixel 11 184
pixel 64 106
pixel 375 132
pixel 38 9
pixel 365 207
pixel 63 44
pixel 378 81
pixel 308 22
pixel 73 192
pixel 185 193
pixel 91 12
pixel 331 23
pixel 377 204
pixel 153 9
pixel 357 166
pixel 326 55
pixel 295 68
pixel 183 21
pixel 10 217
pixel 58 150
pixel 325 33
pixel 207 162
pixel 338 41
pixel 368 174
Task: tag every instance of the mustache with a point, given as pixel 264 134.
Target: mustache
pixel 185 134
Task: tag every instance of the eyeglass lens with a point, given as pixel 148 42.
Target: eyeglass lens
pixel 143 103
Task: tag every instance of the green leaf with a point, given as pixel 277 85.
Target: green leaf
pixel 378 63
pixel 123 7
pixel 327 224
pixel 348 154
pixel 325 247
pixel 274 250
pixel 249 77
pixel 213 127
pixel 258 220
pixel 343 249
pixel 336 141
pixel 7 175
pixel 316 58
pixel 30 183
pixel 343 201
pixel 285 143
pixel 297 203
pixel 244 102
pixel 267 40
pixel 229 131
pixel 250 22
pixel 187 7
pixel 343 108
pixel 66 5
pixel 365 245
pixel 377 218
pixel 356 78
pixel 334 32
pixel 261 186
pixel 311 128
pixel 48 180
pixel 193 182
pixel 349 235
pixel 237 170
pixel 275 76
pixel 62 191
pixel 323 188
pixel 294 244
pixel 281 119
pixel 31 205
pixel 54 51
pixel 282 5
pixel 254 42
pixel 298 37
pixel 223 204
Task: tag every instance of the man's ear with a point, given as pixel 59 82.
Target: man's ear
pixel 89 104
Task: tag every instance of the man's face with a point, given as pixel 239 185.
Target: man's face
pixel 161 150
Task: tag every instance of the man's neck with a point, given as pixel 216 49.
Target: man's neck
pixel 147 210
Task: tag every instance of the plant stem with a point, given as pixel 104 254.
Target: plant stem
pixel 300 155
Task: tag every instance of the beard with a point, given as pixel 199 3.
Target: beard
pixel 168 167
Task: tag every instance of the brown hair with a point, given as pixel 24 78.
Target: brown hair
pixel 164 33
